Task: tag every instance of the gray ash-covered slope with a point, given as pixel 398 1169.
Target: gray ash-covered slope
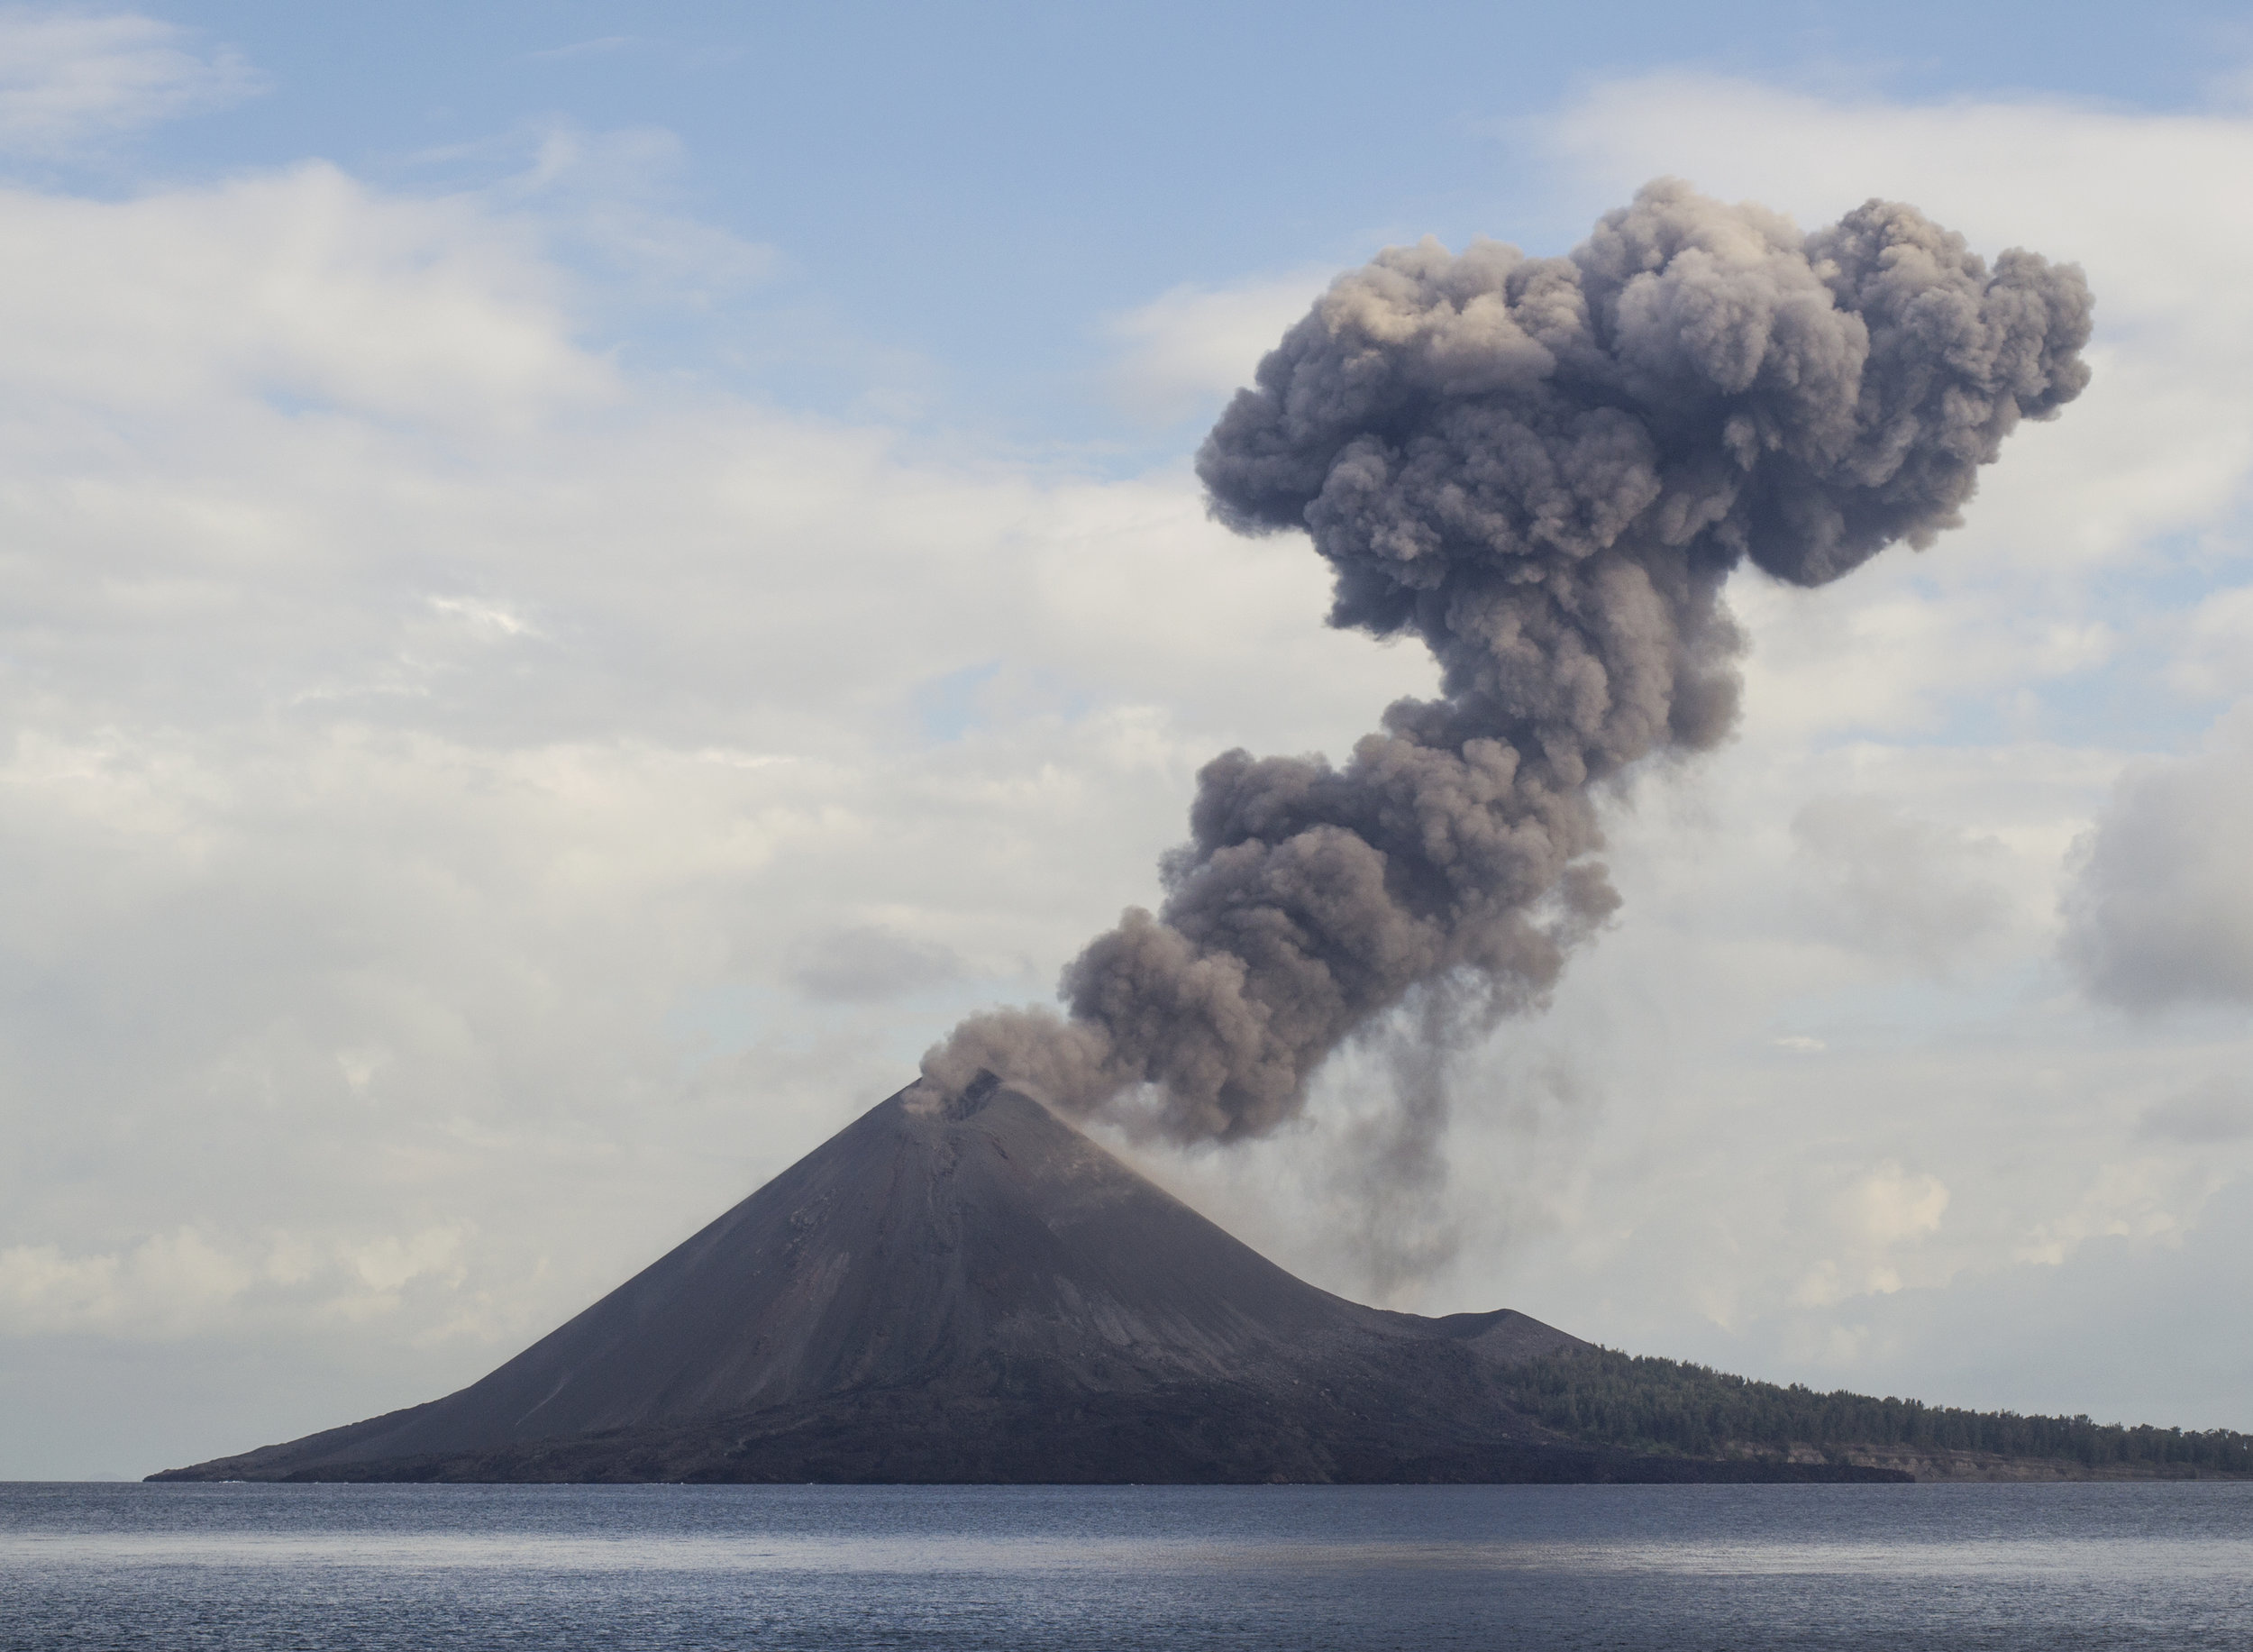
pixel 970 1289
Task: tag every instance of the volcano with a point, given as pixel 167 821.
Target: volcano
pixel 963 1290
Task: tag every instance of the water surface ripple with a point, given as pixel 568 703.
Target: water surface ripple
pixel 1731 1568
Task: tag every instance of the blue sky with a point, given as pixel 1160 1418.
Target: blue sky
pixel 961 191
pixel 578 582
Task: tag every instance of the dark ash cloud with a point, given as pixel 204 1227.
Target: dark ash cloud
pixel 1545 470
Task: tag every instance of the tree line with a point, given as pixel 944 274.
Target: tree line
pixel 1648 1403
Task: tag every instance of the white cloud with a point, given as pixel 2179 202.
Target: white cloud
pixel 1183 353
pixel 489 620
pixel 69 79
pixel 446 773
pixel 392 1261
pixel 2146 1198
pixel 291 294
pixel 1889 1206
pixel 173 1284
pixel 2211 651
pixel 1874 1219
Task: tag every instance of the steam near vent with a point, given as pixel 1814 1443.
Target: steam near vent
pixel 1546 470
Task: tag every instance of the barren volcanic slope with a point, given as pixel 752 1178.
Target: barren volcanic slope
pixel 973 1291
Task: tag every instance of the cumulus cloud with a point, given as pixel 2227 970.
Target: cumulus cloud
pixel 69 79
pixel 173 1284
pixel 1183 353
pixel 1876 1219
pixel 2149 1197
pixel 440 771
pixel 301 290
pixel 2161 909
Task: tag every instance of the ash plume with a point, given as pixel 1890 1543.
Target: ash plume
pixel 1545 468
pixel 1389 1168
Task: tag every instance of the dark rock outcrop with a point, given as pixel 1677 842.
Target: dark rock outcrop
pixel 971 1290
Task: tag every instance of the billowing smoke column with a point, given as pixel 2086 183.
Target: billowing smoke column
pixel 1545 468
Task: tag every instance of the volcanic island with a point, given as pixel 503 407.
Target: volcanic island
pixel 965 1288
pixel 1545 470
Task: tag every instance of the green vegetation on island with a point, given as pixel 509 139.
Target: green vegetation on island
pixel 1650 1404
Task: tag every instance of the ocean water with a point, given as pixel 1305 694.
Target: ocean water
pixel 2144 1566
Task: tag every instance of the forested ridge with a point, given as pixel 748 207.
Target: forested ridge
pixel 1648 1403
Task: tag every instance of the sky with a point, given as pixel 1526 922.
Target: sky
pixel 578 583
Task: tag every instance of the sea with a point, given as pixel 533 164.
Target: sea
pixel 2140 1565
